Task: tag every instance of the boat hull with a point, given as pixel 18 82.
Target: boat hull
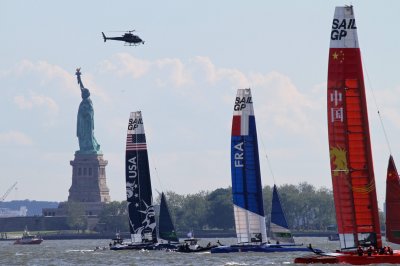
pixel 353 259
pixel 28 242
pixel 181 249
pixel 259 248
pixel 165 246
pixel 133 247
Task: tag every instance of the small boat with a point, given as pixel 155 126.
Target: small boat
pixel 246 184
pixel 333 237
pixel 142 223
pixel 166 231
pixel 28 239
pixel 352 171
pixel 191 245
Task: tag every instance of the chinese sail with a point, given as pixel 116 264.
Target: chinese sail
pixel 138 184
pixel 245 168
pixel 349 139
pixel 392 203
pixel 278 228
pixel 166 226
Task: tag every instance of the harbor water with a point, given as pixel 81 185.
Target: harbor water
pixel 82 252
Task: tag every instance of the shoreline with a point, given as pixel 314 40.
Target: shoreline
pixel 201 234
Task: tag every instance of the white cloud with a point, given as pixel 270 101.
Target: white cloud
pixel 278 102
pixel 179 76
pixel 54 77
pixel 47 73
pixel 36 101
pixel 15 138
pixel 125 64
pixel 214 74
pixel 280 105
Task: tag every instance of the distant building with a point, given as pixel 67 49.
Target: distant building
pixel 6 212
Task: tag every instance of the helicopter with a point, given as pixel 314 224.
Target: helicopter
pixel 128 38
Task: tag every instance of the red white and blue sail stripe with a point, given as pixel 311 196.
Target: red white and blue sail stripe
pixel 245 168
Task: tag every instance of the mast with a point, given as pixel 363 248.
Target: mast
pixel 246 176
pixel 349 139
pixel 138 184
pixel 392 203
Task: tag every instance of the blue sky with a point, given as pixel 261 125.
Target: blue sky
pixel 184 80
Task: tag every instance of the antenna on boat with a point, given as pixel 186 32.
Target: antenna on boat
pixel 378 111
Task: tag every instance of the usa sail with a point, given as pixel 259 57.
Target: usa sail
pixel 245 169
pixel 142 222
pixel 392 203
pixel 349 139
pixel 279 229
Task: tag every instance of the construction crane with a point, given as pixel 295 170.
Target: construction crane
pixel 8 192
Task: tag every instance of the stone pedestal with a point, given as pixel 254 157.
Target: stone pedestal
pixel 89 179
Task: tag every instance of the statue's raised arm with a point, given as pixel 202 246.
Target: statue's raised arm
pixel 78 75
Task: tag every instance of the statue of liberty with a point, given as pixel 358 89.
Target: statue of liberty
pixel 85 124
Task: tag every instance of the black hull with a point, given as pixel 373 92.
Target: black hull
pixel 159 246
pixel 182 249
pixel 163 246
pixel 133 247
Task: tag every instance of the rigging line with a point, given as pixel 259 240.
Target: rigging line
pixel 378 111
pixel 156 171
pixel 268 161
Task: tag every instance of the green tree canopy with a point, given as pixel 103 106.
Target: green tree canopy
pixel 76 216
pixel 306 208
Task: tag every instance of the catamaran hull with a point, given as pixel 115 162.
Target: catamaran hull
pixel 259 248
pixel 203 249
pixel 163 246
pixel 353 259
pixel 133 247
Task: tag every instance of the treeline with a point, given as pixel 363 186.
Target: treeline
pixel 306 208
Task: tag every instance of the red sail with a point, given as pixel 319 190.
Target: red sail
pixel 349 139
pixel 392 203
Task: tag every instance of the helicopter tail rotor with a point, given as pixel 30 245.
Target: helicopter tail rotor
pixel 104 37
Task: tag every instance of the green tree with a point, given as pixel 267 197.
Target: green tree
pixel 114 217
pixel 193 212
pixel 76 216
pixel 220 209
pixel 306 208
pixel 267 201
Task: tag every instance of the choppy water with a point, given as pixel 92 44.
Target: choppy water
pixel 81 252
